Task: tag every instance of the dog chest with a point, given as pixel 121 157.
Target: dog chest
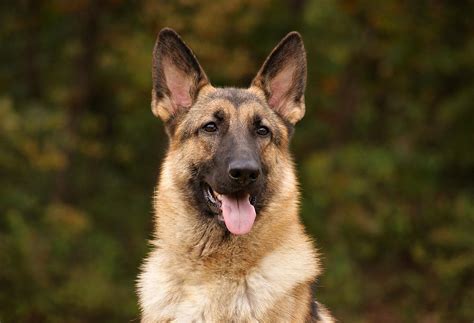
pixel 179 293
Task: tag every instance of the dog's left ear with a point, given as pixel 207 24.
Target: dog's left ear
pixel 177 76
pixel 283 78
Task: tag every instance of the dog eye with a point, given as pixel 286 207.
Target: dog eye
pixel 263 131
pixel 210 127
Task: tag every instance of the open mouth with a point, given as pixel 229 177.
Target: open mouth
pixel 237 211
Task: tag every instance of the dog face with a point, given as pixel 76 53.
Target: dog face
pixel 229 146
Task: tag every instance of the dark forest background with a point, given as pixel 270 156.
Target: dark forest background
pixel 385 152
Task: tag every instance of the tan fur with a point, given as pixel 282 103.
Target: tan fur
pixel 194 272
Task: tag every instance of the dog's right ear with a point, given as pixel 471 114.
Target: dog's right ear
pixel 177 76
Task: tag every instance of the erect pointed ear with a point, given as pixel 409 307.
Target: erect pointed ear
pixel 283 78
pixel 177 76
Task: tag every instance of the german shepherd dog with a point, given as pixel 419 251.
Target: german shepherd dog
pixel 229 245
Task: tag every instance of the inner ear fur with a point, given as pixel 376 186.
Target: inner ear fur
pixel 282 78
pixel 177 76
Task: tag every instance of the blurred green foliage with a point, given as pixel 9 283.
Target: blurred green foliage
pixel 385 152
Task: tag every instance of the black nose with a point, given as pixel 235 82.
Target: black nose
pixel 244 171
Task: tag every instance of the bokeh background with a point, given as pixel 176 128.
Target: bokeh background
pixel 385 152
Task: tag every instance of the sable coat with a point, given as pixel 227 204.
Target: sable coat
pixel 203 268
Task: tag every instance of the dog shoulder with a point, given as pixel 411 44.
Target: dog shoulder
pixel 320 314
pixel 156 287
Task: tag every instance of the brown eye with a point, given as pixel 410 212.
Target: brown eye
pixel 263 131
pixel 210 127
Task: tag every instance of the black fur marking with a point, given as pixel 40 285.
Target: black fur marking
pixel 257 119
pixel 314 305
pixel 219 115
pixel 195 187
pixel 234 95
pixel 214 173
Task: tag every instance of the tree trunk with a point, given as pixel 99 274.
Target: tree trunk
pixel 82 94
pixel 30 54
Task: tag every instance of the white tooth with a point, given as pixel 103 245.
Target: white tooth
pixel 211 197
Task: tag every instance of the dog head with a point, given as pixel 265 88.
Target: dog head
pixel 229 146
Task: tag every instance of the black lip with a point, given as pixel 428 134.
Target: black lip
pixel 253 200
pixel 214 203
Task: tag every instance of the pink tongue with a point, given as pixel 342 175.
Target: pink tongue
pixel 238 213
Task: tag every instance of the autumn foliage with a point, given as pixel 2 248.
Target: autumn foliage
pixel 385 151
